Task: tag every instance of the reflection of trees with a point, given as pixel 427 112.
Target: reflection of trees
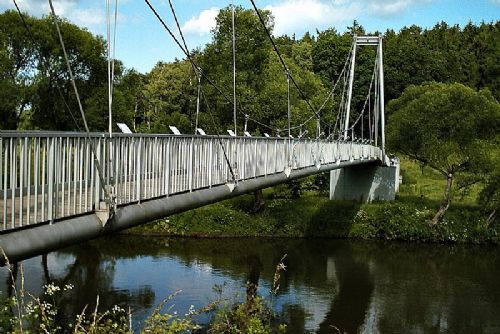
pixel 424 288
pixel 437 288
pixel 349 307
pixel 237 258
pixel 92 274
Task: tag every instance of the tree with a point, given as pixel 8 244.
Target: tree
pixel 35 90
pixel 489 197
pixel 442 126
pixel 170 92
pixel 131 88
pixel 252 53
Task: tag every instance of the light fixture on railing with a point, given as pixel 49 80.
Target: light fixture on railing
pixel 174 130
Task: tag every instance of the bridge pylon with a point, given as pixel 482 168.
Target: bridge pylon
pixel 373 41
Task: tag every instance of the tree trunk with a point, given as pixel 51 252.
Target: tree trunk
pixel 491 217
pixel 446 201
pixel 258 203
pixel 135 115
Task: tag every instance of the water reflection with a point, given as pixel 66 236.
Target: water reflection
pixel 328 285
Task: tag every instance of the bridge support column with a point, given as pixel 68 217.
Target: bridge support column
pixel 364 183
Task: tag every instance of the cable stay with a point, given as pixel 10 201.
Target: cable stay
pixel 367 97
pixel 109 200
pixel 328 97
pixel 316 114
pixel 110 48
pixel 281 59
pixel 45 67
pixel 191 60
pixel 200 74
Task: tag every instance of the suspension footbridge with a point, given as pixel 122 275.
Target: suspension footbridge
pixel 61 188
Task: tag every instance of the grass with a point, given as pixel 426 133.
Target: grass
pixel 314 215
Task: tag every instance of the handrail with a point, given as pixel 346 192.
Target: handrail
pixel 49 175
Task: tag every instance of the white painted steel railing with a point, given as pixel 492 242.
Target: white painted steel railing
pixel 46 176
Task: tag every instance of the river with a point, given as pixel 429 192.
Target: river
pixel 355 286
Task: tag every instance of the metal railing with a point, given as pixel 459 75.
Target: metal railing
pixel 46 176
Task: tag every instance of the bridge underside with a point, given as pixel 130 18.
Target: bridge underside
pixel 25 243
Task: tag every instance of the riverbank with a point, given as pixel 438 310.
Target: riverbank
pixel 314 215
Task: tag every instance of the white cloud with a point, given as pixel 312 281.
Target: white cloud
pixel 39 7
pixel 89 14
pixel 393 7
pixel 293 15
pixel 89 17
pixel 496 2
pixel 201 24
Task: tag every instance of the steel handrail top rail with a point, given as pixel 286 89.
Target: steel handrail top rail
pixel 72 134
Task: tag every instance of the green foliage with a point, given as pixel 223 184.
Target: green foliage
pixel 34 82
pixel 252 316
pixel 26 313
pixel 440 124
pixel 447 127
pixel 170 92
pixel 314 215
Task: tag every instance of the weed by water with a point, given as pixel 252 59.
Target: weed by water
pixel 26 313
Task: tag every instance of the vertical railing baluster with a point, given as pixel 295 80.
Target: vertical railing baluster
pixel 70 172
pixel 130 143
pixel 190 165
pixel 45 159
pixel 163 166
pixel 28 191
pixel 5 184
pixel 76 171
pixel 50 179
pixel 139 154
pixel 211 168
pixel 87 171
pixel 13 173
pixel 168 166
pixel 57 175
pixel 63 165
pixel 36 174
pixel 22 167
pixel 101 156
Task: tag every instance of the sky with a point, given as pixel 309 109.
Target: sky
pixel 141 41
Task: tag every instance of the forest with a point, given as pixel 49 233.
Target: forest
pixel 442 87
pixel 36 93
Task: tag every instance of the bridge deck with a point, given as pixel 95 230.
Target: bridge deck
pixel 52 176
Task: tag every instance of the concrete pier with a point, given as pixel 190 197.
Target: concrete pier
pixel 365 184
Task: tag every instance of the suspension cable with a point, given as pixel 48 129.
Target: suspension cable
pixel 108 198
pixel 185 50
pixel 197 70
pixel 367 97
pixel 233 14
pixel 339 119
pixel 218 135
pixel 33 40
pixel 281 59
pixel 111 60
pixel 330 94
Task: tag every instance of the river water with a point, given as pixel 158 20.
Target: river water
pixel 354 286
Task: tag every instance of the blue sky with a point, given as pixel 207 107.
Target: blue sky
pixel 141 41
